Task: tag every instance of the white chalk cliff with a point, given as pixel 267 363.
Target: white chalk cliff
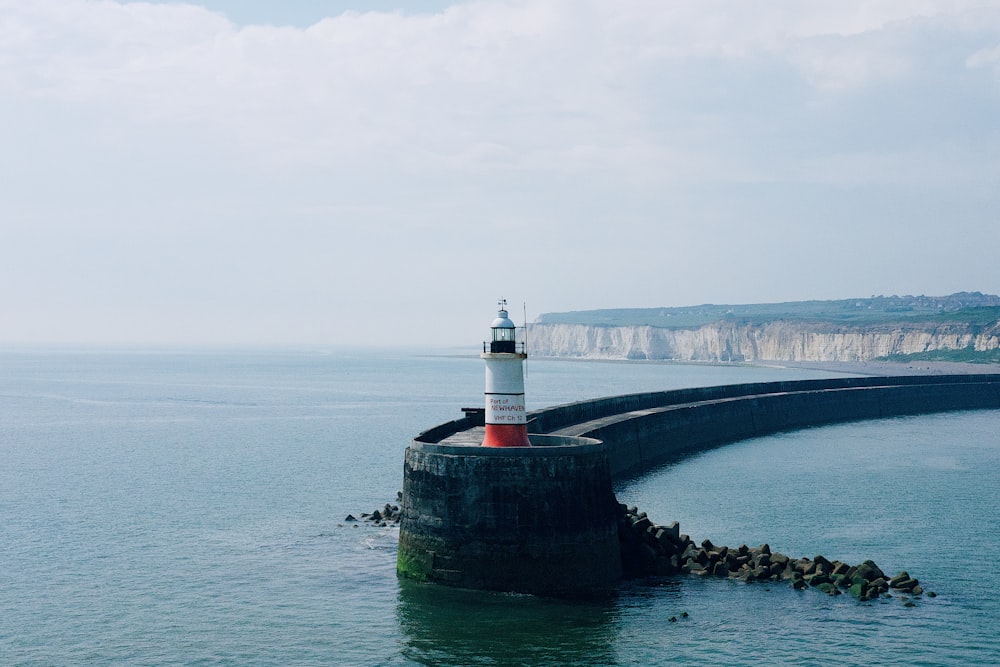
pixel 773 341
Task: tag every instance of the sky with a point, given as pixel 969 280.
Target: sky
pixel 380 172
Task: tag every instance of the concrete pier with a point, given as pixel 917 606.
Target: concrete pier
pixel 533 520
pixel 541 519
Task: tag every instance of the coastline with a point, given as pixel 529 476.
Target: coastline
pixel 886 368
pixel 876 368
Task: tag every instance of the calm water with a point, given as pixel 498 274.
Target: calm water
pixel 187 508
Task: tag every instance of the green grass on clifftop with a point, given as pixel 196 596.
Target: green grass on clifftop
pixel 972 308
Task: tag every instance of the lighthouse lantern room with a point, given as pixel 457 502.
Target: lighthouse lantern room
pixel 506 418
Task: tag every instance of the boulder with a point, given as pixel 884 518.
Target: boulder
pixel 689 566
pixel 870 571
pixel 818 578
pixel 828 588
pixel 901 577
pixel 859 589
pixel 674 529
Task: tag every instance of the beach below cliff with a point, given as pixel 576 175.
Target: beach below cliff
pixel 876 367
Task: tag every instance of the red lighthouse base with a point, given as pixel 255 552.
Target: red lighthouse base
pixel 506 435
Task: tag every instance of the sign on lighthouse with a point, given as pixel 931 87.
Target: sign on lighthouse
pixel 506 418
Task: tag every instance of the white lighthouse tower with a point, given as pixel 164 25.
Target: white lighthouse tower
pixel 506 418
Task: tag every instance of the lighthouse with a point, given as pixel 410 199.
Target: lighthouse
pixel 506 418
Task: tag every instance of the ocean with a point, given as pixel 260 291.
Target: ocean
pixel 187 507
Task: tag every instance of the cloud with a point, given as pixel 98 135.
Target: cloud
pixel 186 164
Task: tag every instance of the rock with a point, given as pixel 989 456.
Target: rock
pixel 674 529
pixel 350 517
pixel 693 567
pixel 870 571
pixel 376 516
pixel 902 576
pixel 828 588
pixel 819 578
pixel 859 589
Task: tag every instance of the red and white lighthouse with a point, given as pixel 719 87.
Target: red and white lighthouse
pixel 506 418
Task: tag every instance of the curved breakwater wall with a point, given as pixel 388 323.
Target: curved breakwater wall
pixel 645 430
pixel 544 520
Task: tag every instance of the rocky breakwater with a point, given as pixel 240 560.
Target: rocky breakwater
pixel 650 549
pixel 389 515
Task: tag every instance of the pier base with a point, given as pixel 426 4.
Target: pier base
pixel 538 520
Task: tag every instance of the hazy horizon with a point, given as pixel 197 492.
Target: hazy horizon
pixel 380 172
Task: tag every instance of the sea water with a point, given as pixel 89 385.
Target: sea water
pixel 188 507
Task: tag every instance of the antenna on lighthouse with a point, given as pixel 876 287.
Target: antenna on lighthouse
pixel 524 312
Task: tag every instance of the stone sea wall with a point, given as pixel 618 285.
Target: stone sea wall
pixel 538 520
pixel 741 342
